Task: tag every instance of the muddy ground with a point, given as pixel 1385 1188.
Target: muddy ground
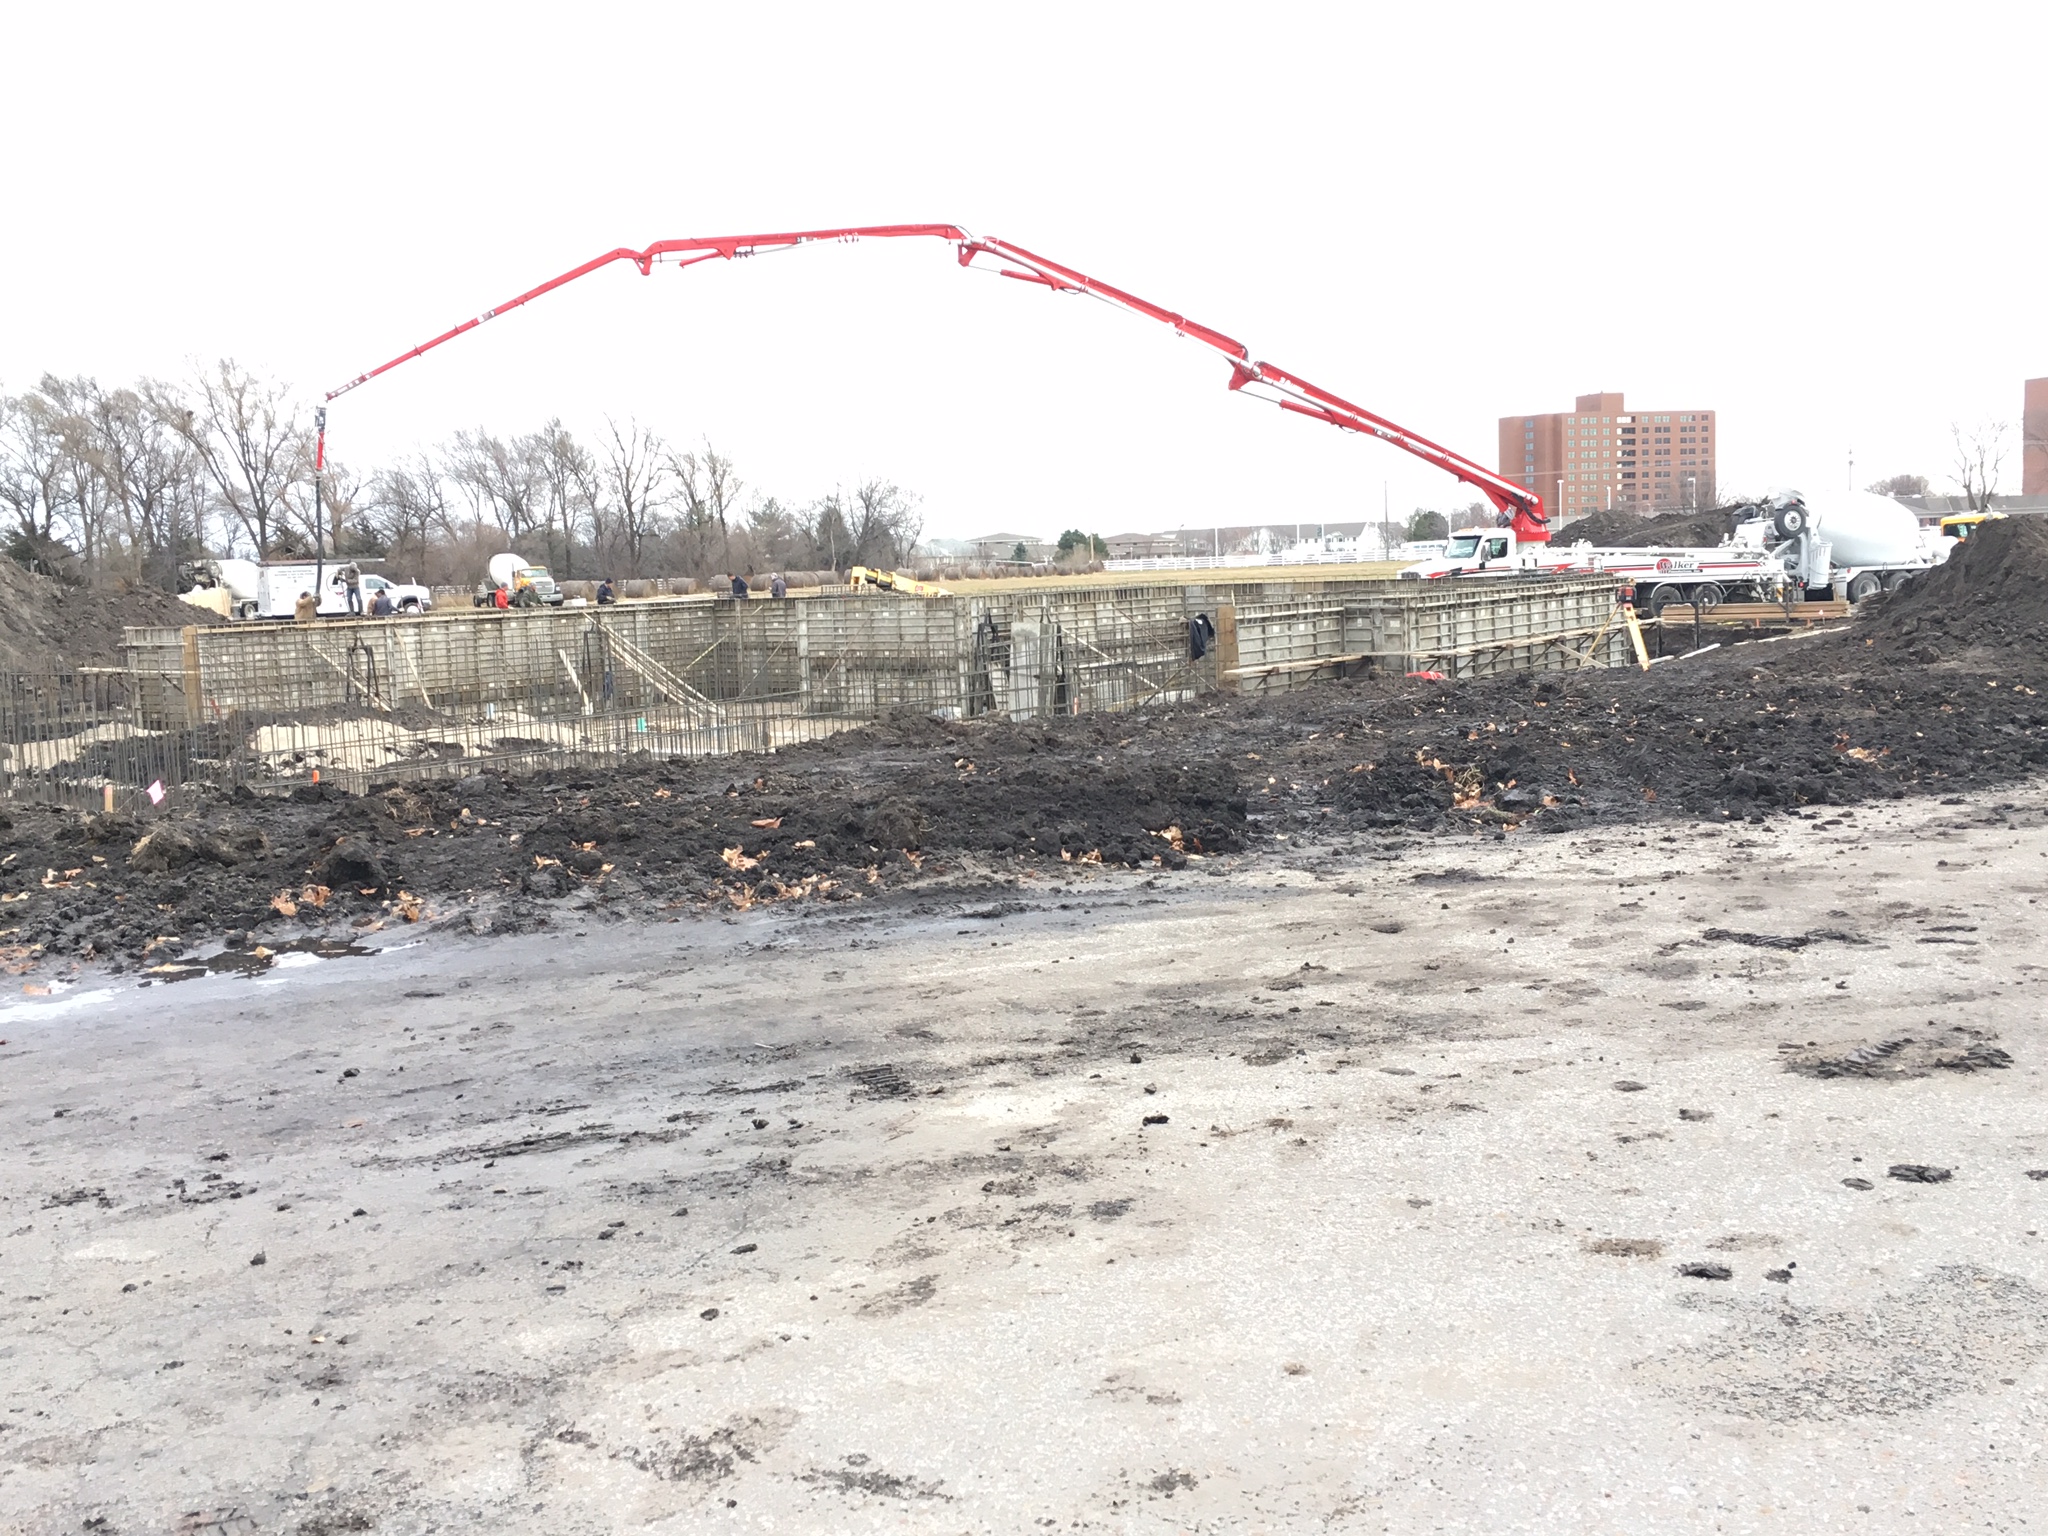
pixel 1655 1176
pixel 1899 704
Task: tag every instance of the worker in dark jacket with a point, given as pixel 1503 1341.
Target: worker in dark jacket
pixel 739 589
pixel 606 595
pixel 381 606
pixel 777 587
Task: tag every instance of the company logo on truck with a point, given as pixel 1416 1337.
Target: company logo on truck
pixel 1676 563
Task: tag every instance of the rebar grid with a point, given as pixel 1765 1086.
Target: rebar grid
pixel 360 702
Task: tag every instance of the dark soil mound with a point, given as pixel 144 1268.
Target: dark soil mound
pixel 1684 530
pixel 857 815
pixel 48 627
pixel 1992 591
pixel 1810 728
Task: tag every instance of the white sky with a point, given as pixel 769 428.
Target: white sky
pixel 1447 214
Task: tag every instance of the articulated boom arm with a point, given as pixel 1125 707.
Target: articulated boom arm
pixel 1262 380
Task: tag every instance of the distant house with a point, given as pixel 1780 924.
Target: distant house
pixel 1143 546
pixel 1003 546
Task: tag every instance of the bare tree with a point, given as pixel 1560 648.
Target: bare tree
pixel 33 478
pixel 502 478
pixel 1980 455
pixel 884 524
pixel 406 506
pixel 709 490
pixel 829 533
pixel 154 478
pixel 568 481
pixel 636 479
pixel 253 455
pixel 1899 485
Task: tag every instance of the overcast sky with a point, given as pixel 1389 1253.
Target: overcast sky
pixel 1822 221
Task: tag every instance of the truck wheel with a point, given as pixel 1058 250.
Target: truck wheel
pixel 410 605
pixel 1789 521
pixel 1865 584
pixel 1661 597
pixel 246 611
pixel 1708 596
pixel 1896 580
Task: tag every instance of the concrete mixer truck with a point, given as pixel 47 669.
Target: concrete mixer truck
pixel 524 585
pixel 1783 546
pixel 1856 542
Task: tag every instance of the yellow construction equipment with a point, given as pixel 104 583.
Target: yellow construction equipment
pixel 894 581
pixel 1963 524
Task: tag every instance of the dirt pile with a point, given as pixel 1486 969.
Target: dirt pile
pixel 856 816
pixel 1993 591
pixel 1684 530
pixel 48 627
pixel 1811 727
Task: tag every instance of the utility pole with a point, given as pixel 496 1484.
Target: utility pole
pixel 319 512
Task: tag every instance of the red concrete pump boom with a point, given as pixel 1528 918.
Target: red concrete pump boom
pixel 1265 381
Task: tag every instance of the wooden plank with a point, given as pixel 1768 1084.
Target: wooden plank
pixel 1226 645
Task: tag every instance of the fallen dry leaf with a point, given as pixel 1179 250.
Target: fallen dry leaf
pixel 736 859
pixel 35 989
pixel 770 822
pixel 283 905
pixel 315 895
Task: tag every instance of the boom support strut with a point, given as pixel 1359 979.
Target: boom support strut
pixel 1266 381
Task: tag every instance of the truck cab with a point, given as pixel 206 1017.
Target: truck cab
pixel 1486 552
pixel 1963 524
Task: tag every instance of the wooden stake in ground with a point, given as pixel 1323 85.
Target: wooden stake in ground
pixel 1635 633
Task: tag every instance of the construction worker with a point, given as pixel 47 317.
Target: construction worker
pixel 777 587
pixel 606 595
pixel 305 610
pixel 352 579
pixel 739 589
pixel 502 598
pixel 381 606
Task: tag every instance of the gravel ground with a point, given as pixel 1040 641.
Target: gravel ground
pixel 1358 1185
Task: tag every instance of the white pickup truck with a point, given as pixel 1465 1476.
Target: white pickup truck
pixel 270 589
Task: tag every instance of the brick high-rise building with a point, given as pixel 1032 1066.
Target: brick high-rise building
pixel 1599 455
pixel 2034 440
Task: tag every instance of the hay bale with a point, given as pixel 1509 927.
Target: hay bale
pixel 636 588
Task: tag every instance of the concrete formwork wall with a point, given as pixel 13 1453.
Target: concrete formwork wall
pixel 375 699
pixel 1461 629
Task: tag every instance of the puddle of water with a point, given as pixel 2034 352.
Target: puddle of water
pixel 259 959
pixel 42 1008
